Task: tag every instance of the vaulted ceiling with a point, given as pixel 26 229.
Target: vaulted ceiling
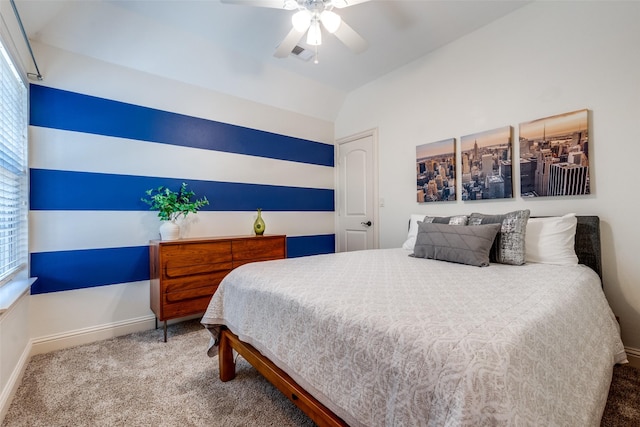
pixel 211 40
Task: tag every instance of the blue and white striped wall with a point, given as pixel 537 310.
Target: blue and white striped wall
pixel 91 160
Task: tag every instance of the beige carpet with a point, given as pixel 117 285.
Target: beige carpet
pixel 137 380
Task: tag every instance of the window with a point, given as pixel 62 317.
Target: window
pixel 13 169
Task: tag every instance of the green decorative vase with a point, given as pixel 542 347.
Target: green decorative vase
pixel 258 225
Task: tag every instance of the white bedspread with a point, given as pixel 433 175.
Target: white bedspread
pixel 384 339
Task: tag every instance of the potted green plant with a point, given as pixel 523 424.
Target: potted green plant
pixel 171 205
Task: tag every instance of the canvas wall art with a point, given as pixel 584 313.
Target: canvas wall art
pixel 487 164
pixel 436 171
pixel 554 155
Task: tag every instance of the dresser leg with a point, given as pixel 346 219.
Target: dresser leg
pixel 165 331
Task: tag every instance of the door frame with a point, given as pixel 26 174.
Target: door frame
pixel 373 133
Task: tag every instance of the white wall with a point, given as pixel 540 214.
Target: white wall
pixel 14 349
pixel 544 59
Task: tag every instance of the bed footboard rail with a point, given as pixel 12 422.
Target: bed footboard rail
pixel 315 410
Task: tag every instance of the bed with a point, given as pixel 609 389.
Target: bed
pixel 380 338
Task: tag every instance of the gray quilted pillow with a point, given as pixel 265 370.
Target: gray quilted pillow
pixel 509 247
pixel 455 243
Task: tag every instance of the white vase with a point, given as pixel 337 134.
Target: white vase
pixel 169 230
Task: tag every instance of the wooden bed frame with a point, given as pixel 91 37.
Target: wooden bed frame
pixel 587 248
pixel 315 410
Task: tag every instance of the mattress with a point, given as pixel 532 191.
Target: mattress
pixel 384 339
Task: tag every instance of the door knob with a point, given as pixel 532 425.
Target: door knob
pixel 368 223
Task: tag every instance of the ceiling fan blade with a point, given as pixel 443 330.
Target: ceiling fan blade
pixel 276 4
pixel 346 3
pixel 289 42
pixel 350 38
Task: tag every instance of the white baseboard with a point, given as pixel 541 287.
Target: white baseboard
pixel 14 382
pixel 633 356
pixel 67 339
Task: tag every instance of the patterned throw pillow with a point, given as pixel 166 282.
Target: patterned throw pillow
pixel 509 245
pixel 454 243
pixel 451 220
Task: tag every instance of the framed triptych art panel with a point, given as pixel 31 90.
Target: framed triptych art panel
pixel 554 155
pixel 436 171
pixel 486 164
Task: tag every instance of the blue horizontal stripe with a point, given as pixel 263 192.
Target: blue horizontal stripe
pixel 86 268
pixel 59 109
pixel 67 270
pixel 310 245
pixel 68 190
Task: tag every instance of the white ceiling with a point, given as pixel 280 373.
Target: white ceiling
pixel 208 34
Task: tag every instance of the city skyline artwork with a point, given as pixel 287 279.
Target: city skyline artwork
pixel 487 164
pixel 436 171
pixel 554 155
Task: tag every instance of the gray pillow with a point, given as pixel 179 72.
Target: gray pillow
pixel 509 246
pixel 455 243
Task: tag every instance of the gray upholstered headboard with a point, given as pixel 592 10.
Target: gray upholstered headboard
pixel 588 243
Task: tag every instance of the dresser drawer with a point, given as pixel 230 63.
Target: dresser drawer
pixel 258 249
pixel 187 294
pixel 177 270
pixel 189 259
pixel 193 282
pixel 197 253
pixel 185 307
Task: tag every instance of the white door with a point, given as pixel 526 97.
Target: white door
pixel 356 195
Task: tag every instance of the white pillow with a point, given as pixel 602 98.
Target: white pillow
pixel 551 240
pixel 413 231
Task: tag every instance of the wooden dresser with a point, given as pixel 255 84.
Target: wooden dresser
pixel 186 272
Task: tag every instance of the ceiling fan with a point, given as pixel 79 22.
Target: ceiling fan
pixel 310 14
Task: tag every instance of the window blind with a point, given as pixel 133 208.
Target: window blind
pixel 13 169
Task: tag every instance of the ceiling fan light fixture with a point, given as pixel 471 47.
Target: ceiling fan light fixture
pixel 306 16
pixel 290 4
pixel 330 20
pixel 314 36
pixel 301 20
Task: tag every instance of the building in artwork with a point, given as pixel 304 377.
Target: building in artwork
pixel 432 189
pixel 544 161
pixel 505 172
pixel 568 179
pixel 527 177
pixel 575 157
pixel 494 186
pixel 487 164
pixel 466 165
pixel 439 182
